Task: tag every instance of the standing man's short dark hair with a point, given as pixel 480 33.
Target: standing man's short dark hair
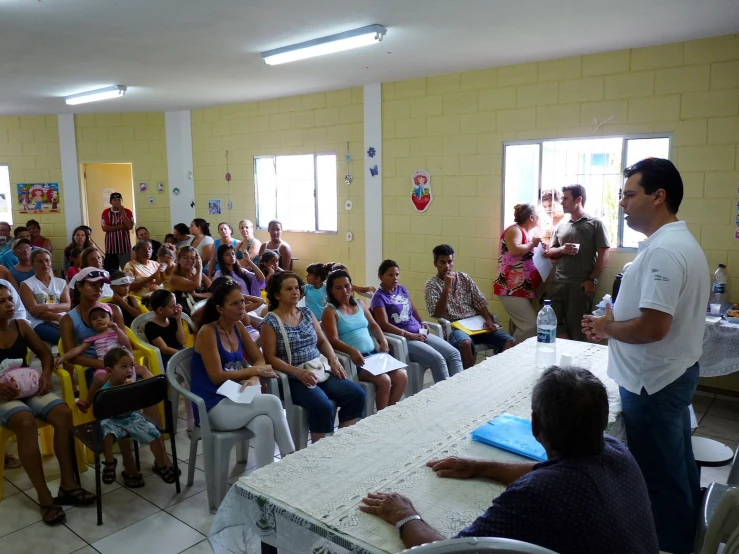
pixel 656 174
pixel 578 191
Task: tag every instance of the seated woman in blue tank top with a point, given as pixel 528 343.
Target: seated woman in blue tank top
pixel 291 340
pixel 219 357
pixel 348 324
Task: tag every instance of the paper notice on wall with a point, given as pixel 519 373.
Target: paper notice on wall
pixel 542 264
pixel 106 197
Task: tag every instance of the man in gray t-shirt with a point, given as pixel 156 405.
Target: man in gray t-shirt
pixel 580 246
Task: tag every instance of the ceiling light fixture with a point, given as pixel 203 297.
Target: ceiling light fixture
pixel 94 95
pixel 326 45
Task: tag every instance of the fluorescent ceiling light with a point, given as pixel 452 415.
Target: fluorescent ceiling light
pixel 94 95
pixel 325 45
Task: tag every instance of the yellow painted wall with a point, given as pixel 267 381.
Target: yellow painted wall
pixel 454 126
pixel 138 139
pixel 324 122
pixel 30 147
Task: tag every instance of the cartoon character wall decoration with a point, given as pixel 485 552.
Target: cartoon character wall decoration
pixel 38 197
pixel 421 195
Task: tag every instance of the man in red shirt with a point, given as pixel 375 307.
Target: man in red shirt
pixel 117 223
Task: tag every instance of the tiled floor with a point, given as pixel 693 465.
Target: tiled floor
pixel 155 519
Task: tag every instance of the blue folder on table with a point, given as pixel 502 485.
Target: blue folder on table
pixel 511 433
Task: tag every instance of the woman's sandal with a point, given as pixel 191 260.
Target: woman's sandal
pixel 52 515
pixel 109 471
pixel 75 497
pixel 11 462
pixel 133 481
pixel 167 473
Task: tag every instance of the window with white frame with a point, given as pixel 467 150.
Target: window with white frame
pixel 6 205
pixel 298 190
pixel 535 167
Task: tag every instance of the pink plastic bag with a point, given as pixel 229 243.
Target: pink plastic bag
pixel 25 379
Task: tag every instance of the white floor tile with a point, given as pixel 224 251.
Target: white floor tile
pixel 160 533
pixel 725 409
pixel 88 482
pixel 194 511
pixel 182 442
pixel 17 512
pixel 40 537
pixel 9 489
pixel 162 494
pixel 200 548
pixel 234 468
pixel 19 477
pixel 86 550
pixel 121 508
pixel 720 427
pixel 714 475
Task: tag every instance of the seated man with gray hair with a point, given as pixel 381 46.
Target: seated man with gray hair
pixel 588 497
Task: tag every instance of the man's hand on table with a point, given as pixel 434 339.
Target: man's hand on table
pixel 457 468
pixel 390 507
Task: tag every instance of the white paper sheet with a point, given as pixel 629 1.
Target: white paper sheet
pixel 543 265
pixel 474 323
pixel 230 389
pixel 378 364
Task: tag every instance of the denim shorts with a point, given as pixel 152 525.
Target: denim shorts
pixel 496 340
pixel 39 406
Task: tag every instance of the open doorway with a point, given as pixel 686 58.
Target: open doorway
pixel 98 182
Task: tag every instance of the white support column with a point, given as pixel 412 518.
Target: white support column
pixel 372 185
pixel 179 166
pixel 72 204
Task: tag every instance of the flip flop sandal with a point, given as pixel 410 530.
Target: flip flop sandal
pixel 109 471
pixel 75 497
pixel 167 473
pixel 11 462
pixel 133 481
pixel 52 515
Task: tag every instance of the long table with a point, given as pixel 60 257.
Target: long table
pixel 308 501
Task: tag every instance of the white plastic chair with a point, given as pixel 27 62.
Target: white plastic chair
pixel 137 326
pixel 723 522
pixel 478 545
pixel 217 445
pixel 415 370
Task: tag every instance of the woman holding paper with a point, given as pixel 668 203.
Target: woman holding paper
pixel 218 357
pixel 348 324
pixel 518 277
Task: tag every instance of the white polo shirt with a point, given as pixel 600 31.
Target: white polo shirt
pixel 670 274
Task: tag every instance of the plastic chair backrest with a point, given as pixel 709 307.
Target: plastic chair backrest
pixel 139 323
pixel 723 524
pixel 478 545
pixel 128 398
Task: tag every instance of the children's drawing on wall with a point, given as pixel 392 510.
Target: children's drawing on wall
pixel 421 192
pixel 214 206
pixel 38 198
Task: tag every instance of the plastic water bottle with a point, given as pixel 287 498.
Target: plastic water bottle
pixel 600 312
pixel 546 336
pixel 718 286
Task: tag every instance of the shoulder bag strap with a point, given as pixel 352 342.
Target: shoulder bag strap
pixel 284 338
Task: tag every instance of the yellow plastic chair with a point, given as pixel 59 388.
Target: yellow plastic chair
pixel 46 431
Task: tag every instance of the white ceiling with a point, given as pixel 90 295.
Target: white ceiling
pixel 180 54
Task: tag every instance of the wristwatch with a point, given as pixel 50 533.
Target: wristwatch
pixel 595 281
pixel 399 525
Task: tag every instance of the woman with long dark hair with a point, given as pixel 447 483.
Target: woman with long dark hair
pixel 219 357
pixel 187 280
pixel 80 239
pixel 226 238
pixel 202 241
pixel 250 282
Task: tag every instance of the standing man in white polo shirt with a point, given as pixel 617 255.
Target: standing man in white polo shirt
pixel 656 338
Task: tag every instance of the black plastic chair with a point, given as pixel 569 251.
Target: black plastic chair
pixel 118 400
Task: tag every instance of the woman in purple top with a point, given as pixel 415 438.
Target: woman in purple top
pixel 395 313
pixel 249 282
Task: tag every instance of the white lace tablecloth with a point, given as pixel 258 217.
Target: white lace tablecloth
pixel 308 501
pixel 720 349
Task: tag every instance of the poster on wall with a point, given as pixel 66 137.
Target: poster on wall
pixel 214 206
pixel 38 198
pixel 421 190
pixel 106 197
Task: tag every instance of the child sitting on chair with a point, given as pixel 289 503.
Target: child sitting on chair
pixel 268 265
pixel 119 366
pixel 315 288
pixel 128 303
pixel 165 330
pixel 109 336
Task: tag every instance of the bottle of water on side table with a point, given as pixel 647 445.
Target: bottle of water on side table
pixel 546 336
pixel 718 286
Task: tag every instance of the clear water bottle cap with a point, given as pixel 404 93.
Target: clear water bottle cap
pixel 722 265
pixel 547 302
